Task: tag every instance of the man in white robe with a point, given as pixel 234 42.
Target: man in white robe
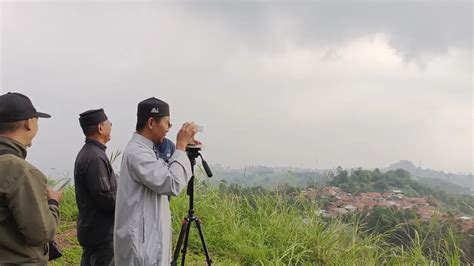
pixel 142 217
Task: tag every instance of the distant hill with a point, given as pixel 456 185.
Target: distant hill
pixel 451 182
pixel 444 185
pixel 268 177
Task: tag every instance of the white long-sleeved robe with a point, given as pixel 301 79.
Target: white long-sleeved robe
pixel 142 233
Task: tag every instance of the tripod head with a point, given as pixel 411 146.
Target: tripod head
pixel 193 152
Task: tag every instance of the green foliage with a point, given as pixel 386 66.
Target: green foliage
pixel 257 227
pixel 278 228
pixel 436 240
pixel 68 207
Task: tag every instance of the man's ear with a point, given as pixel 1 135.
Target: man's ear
pixel 100 128
pixel 28 124
pixel 150 122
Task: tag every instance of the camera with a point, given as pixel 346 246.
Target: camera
pixel 192 147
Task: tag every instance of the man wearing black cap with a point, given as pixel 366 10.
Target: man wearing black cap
pixel 142 218
pixel 29 210
pixel 95 186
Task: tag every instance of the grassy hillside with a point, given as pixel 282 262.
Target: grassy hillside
pixel 272 229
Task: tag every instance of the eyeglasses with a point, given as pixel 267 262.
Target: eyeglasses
pixel 107 121
pixel 157 120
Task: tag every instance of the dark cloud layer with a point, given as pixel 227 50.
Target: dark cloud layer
pixel 413 27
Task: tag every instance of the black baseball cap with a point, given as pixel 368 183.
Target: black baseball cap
pixel 153 107
pixel 16 107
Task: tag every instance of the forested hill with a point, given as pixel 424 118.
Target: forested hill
pixel 270 177
pixel 360 180
pixel 464 182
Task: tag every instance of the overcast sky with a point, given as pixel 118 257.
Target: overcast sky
pixel 314 84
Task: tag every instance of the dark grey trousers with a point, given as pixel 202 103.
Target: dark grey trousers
pixel 102 255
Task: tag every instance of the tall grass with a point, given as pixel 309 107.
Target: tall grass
pixel 273 229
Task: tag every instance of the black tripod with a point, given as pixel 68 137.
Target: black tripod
pixel 193 153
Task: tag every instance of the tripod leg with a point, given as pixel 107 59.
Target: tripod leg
pixel 182 234
pixel 201 235
pixel 186 237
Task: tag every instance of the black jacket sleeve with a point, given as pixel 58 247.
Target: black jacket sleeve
pixel 101 185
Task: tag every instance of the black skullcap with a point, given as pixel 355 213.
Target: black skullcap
pixel 92 118
pixel 17 107
pixel 153 107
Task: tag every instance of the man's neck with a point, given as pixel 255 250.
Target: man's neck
pixel 147 135
pixel 98 139
pixel 16 137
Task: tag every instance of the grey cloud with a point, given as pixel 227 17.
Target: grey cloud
pixel 413 27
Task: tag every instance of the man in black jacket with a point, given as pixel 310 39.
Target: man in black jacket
pixel 96 187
